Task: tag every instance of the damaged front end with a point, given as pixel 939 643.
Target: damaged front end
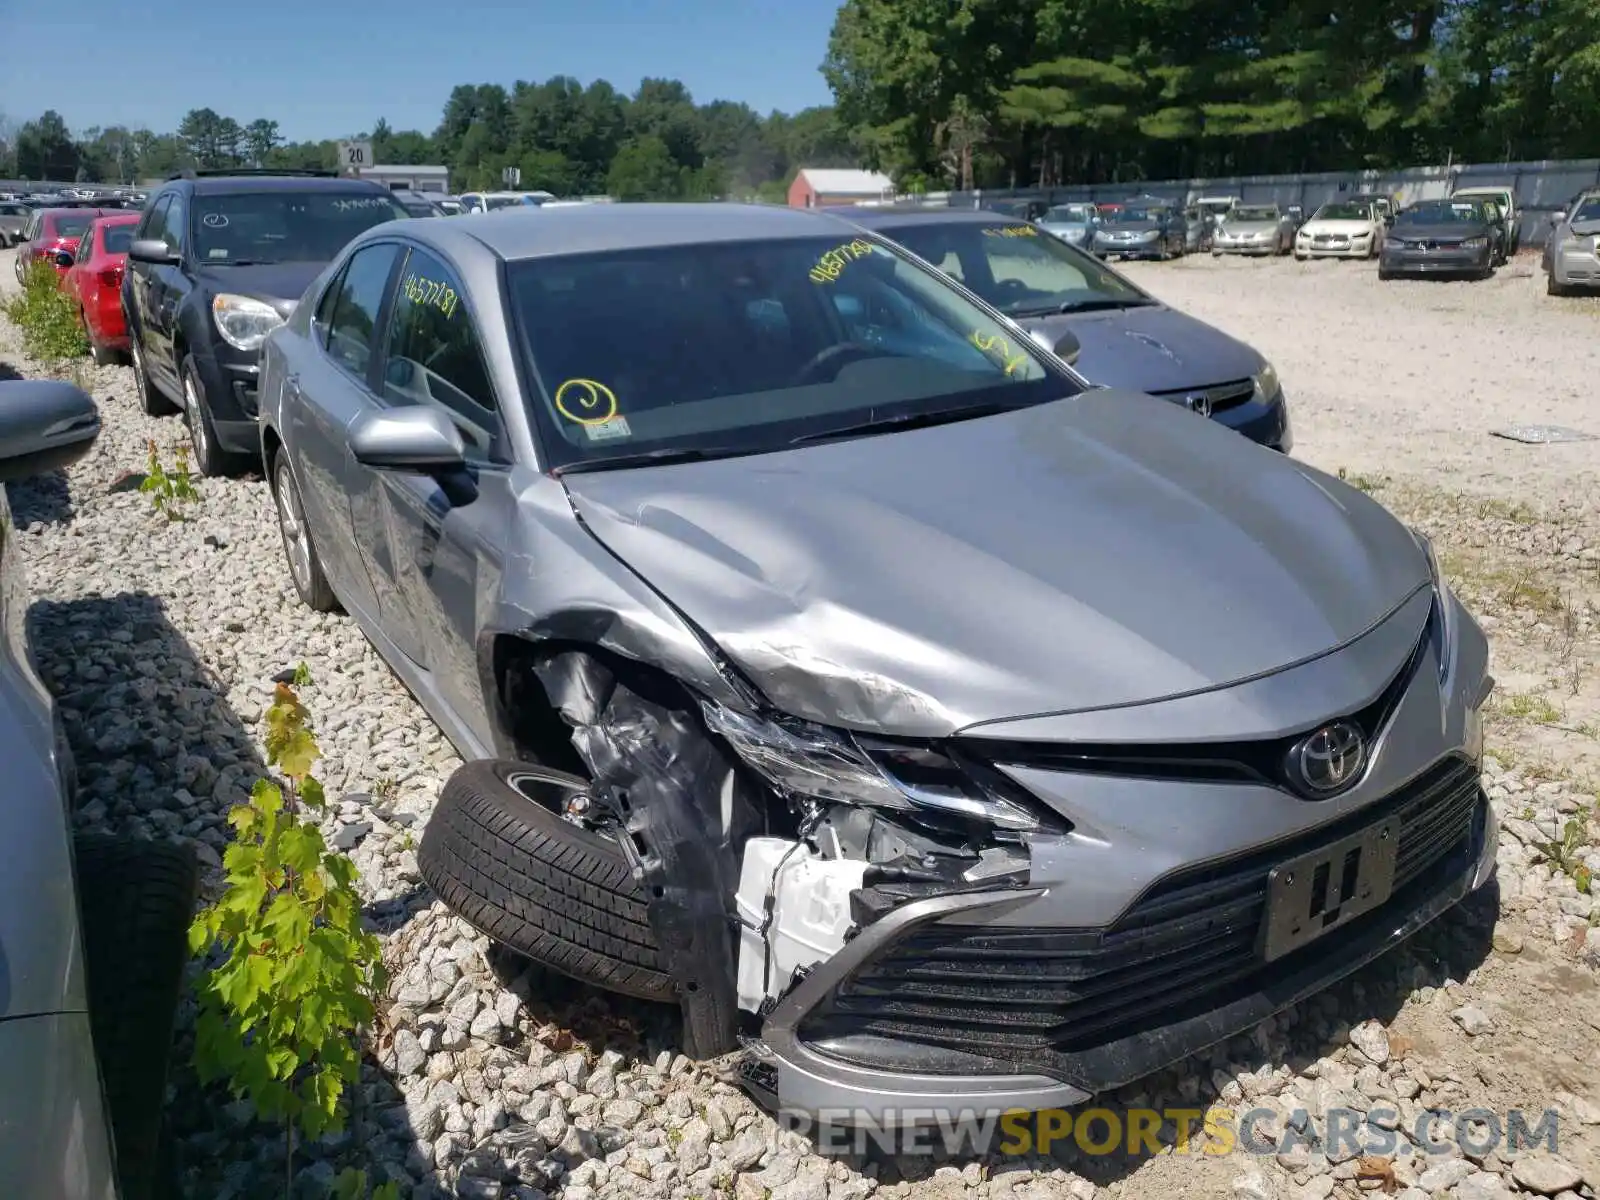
pixel 775 853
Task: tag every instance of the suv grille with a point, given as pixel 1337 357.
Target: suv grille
pixel 1188 945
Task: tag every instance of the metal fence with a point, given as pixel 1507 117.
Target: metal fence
pixel 1541 188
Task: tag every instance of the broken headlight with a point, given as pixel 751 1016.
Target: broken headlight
pixel 801 759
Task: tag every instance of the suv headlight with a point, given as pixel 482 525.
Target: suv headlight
pixel 1475 243
pixel 242 321
pixel 1266 381
pixel 801 759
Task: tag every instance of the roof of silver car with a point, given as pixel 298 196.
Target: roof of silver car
pixel 518 233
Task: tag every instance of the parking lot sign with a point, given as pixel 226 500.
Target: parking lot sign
pixel 355 155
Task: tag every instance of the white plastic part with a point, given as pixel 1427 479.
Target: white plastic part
pixel 810 913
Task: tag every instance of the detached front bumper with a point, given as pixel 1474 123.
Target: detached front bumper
pixel 1176 974
pixel 1136 940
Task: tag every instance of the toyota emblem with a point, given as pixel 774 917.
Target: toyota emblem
pixel 1330 759
pixel 1199 403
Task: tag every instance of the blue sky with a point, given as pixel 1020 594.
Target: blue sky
pixel 329 68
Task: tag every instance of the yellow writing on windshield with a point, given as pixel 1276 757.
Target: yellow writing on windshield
pixel 999 349
pixel 1011 231
pixel 442 296
pixel 585 402
pixel 832 264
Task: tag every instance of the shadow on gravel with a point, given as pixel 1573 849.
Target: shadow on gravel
pixel 161 753
pixel 41 500
pixel 8 372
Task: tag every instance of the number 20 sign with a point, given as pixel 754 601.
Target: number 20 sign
pixel 355 154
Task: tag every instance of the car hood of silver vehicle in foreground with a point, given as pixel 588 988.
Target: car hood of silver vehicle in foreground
pixel 1078 555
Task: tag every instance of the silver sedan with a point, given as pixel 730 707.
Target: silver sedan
pixel 814 633
pixel 1573 253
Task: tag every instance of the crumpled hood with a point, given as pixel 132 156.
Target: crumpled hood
pixel 1102 550
pixel 1150 349
pixel 279 284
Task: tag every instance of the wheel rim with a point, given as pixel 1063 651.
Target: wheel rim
pixel 197 423
pixel 138 372
pixel 292 524
pixel 554 797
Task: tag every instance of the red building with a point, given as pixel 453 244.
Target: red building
pixel 819 187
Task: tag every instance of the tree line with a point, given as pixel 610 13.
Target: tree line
pixel 992 93
pixel 564 137
pixel 1000 92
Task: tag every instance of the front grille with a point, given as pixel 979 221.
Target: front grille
pixel 1187 946
pixel 1223 395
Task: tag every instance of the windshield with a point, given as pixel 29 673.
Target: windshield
pixel 1069 214
pixel 1442 212
pixel 270 227
pixel 1343 212
pixel 494 202
pixel 1588 210
pixel 119 237
pixel 744 347
pixel 1254 213
pixel 1132 215
pixel 416 208
pixel 1016 269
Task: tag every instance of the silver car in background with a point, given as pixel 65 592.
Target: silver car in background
pixel 1074 224
pixel 827 654
pixel 1574 248
pixel 1257 229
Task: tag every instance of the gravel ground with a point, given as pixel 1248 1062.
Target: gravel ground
pixel 488 1078
pixel 1412 375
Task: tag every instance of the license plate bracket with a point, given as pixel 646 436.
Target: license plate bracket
pixel 1318 892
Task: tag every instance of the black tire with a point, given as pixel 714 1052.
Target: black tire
pixel 135 901
pixel 152 402
pixel 1384 274
pixel 210 459
pixel 1552 288
pixel 501 858
pixel 315 592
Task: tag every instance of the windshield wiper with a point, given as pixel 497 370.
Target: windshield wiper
pixel 1078 306
pixel 918 420
pixel 646 458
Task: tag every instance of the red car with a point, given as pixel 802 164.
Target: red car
pixel 94 281
pixel 52 230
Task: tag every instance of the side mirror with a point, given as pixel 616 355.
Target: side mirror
pixel 64 259
pixel 1558 216
pixel 152 250
pixel 45 424
pixel 407 439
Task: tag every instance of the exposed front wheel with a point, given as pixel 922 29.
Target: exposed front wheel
pixel 501 855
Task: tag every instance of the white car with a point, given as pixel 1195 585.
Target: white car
pixel 1343 229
